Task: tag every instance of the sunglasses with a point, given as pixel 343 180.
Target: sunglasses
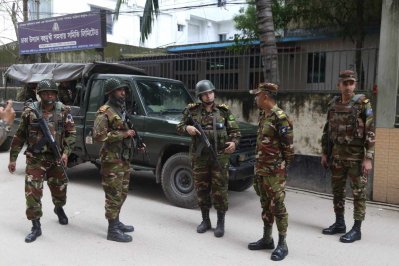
pixel 348 82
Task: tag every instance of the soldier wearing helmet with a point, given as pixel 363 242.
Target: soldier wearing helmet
pixel 222 131
pixel 111 128
pixel 41 164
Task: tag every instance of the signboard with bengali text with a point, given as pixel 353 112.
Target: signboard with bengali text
pixel 65 33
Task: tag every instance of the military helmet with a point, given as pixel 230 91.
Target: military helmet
pixel 203 86
pixel 112 84
pixel 46 85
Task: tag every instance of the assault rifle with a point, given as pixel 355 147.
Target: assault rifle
pixel 204 139
pixel 137 138
pixel 47 139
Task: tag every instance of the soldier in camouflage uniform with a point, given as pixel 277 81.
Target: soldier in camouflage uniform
pixel 27 92
pixel 348 138
pixel 221 128
pixel 111 128
pixel 67 92
pixel 40 162
pixel 274 153
pixel 7 116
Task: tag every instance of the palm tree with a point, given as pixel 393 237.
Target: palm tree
pixel 151 7
pixel 268 48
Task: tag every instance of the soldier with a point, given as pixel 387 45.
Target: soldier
pixel 348 138
pixel 274 154
pixel 40 161
pixel 7 116
pixel 221 128
pixel 28 92
pixel 111 128
pixel 67 92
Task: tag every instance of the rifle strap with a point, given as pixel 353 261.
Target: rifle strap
pixel 215 135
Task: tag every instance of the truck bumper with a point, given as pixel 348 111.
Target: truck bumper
pixel 243 171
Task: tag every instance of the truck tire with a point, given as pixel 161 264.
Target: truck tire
pixel 6 144
pixel 241 185
pixel 178 182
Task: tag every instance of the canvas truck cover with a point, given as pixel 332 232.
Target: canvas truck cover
pixel 27 73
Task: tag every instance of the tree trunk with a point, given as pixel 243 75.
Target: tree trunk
pixel 267 37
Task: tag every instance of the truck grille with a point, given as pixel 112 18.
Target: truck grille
pixel 247 142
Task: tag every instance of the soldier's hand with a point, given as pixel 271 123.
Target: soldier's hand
pixel 231 147
pixel 366 166
pixel 12 167
pixel 192 131
pixel 129 133
pixel 64 159
pixel 324 161
pixel 7 114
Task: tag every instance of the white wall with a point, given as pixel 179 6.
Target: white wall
pixel 207 22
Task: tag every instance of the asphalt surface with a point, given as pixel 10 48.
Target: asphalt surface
pixel 166 235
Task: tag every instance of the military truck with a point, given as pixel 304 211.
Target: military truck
pixel 155 106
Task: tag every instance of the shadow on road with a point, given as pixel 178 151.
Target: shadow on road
pixel 142 183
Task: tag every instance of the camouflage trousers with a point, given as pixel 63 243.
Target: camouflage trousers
pixel 271 190
pixel 38 169
pixel 115 181
pixel 341 170
pixel 210 182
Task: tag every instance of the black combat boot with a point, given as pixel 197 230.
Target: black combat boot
pixel 266 242
pixel 219 231
pixel 35 232
pixel 281 250
pixel 124 228
pixel 354 234
pixel 205 225
pixel 62 218
pixel 337 227
pixel 115 234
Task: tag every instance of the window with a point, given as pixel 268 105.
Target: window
pixel 222 37
pixel 96 96
pixel 109 20
pixel 316 67
pixel 180 27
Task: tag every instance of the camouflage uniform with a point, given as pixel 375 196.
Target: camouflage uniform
pixel 274 152
pixel 115 153
pixel 210 182
pixel 4 128
pixel 41 165
pixel 26 93
pixel 350 129
pixel 66 95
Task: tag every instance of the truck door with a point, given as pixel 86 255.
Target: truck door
pixel 96 99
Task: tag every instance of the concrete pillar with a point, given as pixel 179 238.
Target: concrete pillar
pixel 388 65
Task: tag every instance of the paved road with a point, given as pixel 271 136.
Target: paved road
pixel 165 235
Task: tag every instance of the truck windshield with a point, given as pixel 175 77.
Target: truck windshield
pixel 163 97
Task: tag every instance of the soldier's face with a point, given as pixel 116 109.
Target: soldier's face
pixel 120 93
pixel 261 99
pixel 347 87
pixel 48 97
pixel 208 97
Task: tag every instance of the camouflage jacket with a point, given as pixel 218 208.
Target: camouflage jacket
pixel 220 118
pixel 25 94
pixel 60 123
pixel 3 131
pixel 109 128
pixel 350 129
pixel 66 96
pixel 274 143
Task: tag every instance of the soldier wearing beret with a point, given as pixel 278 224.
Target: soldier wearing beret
pixel 274 153
pixel 348 139
pixel 221 128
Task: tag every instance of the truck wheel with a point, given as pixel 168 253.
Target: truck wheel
pixel 6 144
pixel 178 182
pixel 241 185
